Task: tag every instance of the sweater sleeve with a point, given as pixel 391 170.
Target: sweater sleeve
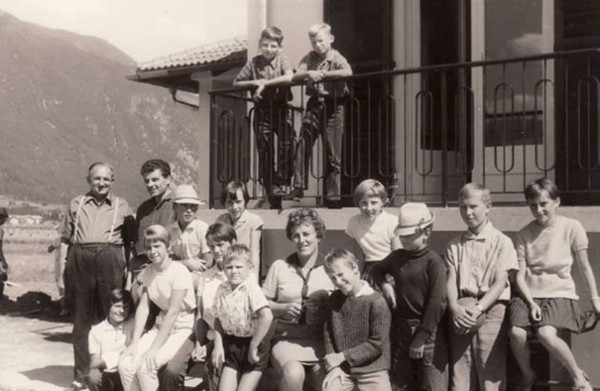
pixel 379 331
pixel 435 302
pixel 380 269
pixel 326 329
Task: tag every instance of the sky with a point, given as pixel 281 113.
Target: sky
pixel 143 29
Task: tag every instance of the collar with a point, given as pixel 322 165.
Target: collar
pixel 105 325
pixel 237 288
pixel 213 272
pixel 109 198
pixel 484 235
pixel 418 253
pixel 328 57
pixel 271 62
pixel 165 197
pixel 242 218
pixel 365 290
pixel 191 226
pixel 293 260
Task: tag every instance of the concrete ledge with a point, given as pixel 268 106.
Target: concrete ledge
pixel 505 218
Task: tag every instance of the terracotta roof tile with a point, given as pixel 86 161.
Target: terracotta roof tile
pixel 223 52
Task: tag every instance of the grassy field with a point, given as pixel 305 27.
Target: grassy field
pixel 31 267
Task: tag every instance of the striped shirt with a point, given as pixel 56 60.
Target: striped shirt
pixel 259 68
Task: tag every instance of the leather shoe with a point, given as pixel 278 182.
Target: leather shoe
pixel 295 195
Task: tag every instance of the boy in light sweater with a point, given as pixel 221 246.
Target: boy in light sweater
pixel 357 330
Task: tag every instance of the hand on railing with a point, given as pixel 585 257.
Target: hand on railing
pixel 260 86
pixel 315 76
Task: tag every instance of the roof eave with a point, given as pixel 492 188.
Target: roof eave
pixel 144 76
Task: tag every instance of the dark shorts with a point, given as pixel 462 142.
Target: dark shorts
pixel 236 354
pixel 556 312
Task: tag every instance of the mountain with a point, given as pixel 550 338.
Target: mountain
pixel 65 103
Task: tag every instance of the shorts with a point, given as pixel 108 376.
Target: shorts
pixel 236 354
pixel 557 312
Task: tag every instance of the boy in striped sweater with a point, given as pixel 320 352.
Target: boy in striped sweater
pixel 356 331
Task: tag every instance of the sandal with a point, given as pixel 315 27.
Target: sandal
pixel 587 386
pixel 526 385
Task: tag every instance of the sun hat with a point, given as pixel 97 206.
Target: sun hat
pixel 185 194
pixel 413 217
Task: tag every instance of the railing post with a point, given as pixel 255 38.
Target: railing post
pixel 212 150
pixel 444 103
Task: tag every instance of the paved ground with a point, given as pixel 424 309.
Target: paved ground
pixel 35 354
pixel 35 346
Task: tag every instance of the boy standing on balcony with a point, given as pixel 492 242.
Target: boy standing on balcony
pixel 478 291
pixel 324 113
pixel 271 112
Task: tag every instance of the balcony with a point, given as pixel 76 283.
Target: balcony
pixel 424 132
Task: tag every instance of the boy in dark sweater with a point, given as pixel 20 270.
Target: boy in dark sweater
pixel 418 300
pixel 356 331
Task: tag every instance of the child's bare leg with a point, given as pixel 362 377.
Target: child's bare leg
pixel 558 349
pixel 292 376
pixel 249 381
pixel 521 352
pixel 229 379
pixel 316 376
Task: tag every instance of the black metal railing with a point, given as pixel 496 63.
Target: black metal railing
pixel 423 132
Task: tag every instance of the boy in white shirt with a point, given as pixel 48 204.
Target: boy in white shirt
pixel 107 340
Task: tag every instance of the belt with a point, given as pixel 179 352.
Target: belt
pixel 479 297
pixel 411 322
pixel 96 245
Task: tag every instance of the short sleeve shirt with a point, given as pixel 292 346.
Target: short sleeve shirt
pixel 333 61
pixel 549 253
pixel 88 221
pixel 259 68
pixel 373 236
pixel 109 341
pixel 207 289
pixel 478 259
pixel 245 227
pixel 161 284
pixel 285 283
pixel 236 308
pixel 191 242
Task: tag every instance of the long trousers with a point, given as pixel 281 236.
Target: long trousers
pixel 93 271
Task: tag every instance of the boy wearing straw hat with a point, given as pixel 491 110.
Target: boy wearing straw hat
pixel 188 232
pixel 418 301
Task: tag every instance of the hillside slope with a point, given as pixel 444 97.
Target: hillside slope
pixel 65 103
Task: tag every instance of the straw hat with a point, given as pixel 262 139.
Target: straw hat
pixel 185 194
pixel 413 217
